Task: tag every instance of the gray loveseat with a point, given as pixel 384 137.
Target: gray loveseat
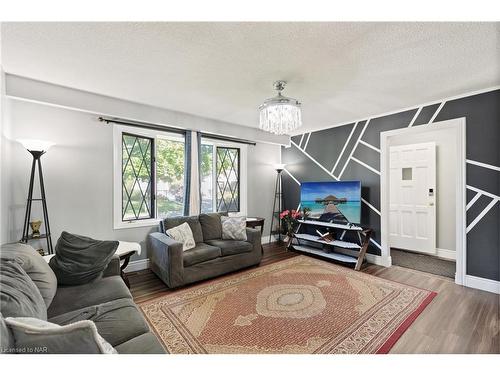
pixel 211 257
pixel 106 301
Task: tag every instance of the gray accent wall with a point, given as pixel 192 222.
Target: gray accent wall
pixel 482 113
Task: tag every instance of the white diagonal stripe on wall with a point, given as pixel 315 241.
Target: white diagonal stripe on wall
pixel 365 165
pixel 473 200
pixel 354 148
pixel 484 165
pixel 481 215
pixel 307 141
pixel 345 145
pixel 292 176
pixel 330 174
pixel 415 117
pixel 314 160
pixel 375 243
pixel 369 146
pixel 437 112
pixel 369 205
pixel 301 139
pixel 484 192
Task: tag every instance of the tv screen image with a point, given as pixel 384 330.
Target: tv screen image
pixel 337 201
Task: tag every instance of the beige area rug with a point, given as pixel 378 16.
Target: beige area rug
pixel 299 305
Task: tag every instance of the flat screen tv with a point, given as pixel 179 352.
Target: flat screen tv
pixel 335 201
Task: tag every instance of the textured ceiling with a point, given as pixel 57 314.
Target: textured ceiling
pixel 339 71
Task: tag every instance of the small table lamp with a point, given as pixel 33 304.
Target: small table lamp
pixel 36 148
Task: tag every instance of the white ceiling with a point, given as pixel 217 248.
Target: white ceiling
pixel 339 71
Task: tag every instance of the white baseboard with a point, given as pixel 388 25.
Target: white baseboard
pixel 379 260
pixel 137 265
pixel 488 285
pixel 446 254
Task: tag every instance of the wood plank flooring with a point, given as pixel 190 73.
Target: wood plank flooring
pixel 459 319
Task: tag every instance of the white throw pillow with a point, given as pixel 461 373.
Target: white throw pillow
pixel 33 335
pixel 234 228
pixel 183 234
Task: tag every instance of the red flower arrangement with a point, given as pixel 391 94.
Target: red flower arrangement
pixel 290 219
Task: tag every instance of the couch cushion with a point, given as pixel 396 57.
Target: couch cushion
pixel 7 344
pixel 34 336
pixel 147 343
pixel 80 259
pixel 116 321
pixel 19 296
pixel 211 226
pixel 182 234
pixel 70 298
pixel 34 265
pixel 199 254
pixel 234 228
pixel 232 247
pixel 193 222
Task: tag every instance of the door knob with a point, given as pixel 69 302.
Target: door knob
pixel 431 204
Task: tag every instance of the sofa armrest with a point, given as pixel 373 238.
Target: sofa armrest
pixel 255 238
pixel 113 267
pixel 167 258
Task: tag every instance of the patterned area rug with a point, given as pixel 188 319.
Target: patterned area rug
pixel 299 305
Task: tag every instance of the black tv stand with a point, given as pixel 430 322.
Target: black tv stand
pixel 301 242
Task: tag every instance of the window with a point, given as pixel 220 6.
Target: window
pixel 150 184
pixel 149 176
pixel 137 175
pixel 170 177
pixel 228 179
pixel 222 180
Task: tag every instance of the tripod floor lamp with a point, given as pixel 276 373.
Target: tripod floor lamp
pixel 36 148
pixel 278 197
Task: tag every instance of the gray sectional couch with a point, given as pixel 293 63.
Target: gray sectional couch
pixel 211 257
pixel 106 301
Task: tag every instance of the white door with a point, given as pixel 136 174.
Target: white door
pixel 412 197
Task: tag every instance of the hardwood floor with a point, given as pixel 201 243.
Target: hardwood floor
pixel 459 319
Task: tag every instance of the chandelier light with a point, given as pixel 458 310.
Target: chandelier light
pixel 280 115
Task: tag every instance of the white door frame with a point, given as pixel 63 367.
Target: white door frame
pixel 460 220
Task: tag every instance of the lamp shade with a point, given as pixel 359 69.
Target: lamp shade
pixel 36 144
pixel 279 167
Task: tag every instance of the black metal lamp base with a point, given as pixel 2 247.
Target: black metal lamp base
pixel 27 217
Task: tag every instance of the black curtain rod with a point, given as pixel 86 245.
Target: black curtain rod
pixel 143 125
pixel 147 125
pixel 228 139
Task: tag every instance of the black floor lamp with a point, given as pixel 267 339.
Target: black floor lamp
pixel 36 148
pixel 278 196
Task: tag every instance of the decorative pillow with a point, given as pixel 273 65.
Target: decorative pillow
pixel 34 265
pixel 211 225
pixel 19 296
pixel 234 228
pixel 182 234
pixel 80 259
pixel 32 336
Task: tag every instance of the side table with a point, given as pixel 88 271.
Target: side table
pixel 124 251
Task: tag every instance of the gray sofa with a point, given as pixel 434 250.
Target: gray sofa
pixel 106 301
pixel 211 257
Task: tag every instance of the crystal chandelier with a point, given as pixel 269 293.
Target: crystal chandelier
pixel 280 115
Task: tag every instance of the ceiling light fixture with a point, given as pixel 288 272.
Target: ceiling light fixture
pixel 280 115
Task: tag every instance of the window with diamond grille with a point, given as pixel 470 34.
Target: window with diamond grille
pixel 228 179
pixel 137 177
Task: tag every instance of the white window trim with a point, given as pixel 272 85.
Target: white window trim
pixel 118 130
pixel 243 171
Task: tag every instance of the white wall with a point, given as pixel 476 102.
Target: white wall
pixel 78 174
pixel 446 154
pixel 261 182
